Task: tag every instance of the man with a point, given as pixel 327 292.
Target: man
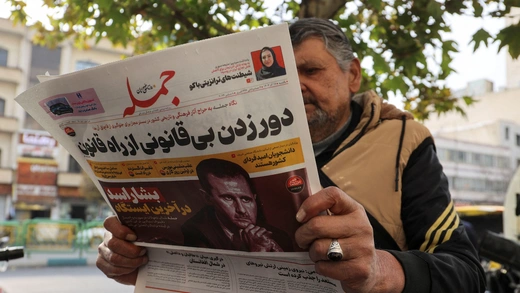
pixel 230 219
pixel 391 183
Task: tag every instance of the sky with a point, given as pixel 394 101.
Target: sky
pixel 485 63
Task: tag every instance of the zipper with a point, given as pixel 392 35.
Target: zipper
pixel 358 137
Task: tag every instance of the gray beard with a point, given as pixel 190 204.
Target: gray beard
pixel 321 125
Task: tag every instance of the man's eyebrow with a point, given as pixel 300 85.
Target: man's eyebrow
pixel 308 63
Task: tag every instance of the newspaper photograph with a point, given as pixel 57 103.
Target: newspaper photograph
pixel 196 146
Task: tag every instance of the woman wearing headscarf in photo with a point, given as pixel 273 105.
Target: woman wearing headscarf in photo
pixel 270 67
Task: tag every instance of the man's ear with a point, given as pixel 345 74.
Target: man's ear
pixel 354 78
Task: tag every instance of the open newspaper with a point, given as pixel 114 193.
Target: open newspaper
pixel 147 128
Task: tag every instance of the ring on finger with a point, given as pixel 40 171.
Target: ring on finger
pixel 334 253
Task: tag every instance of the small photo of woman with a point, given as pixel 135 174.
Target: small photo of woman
pixel 268 62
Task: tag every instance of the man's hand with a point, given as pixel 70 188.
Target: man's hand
pixel 258 239
pixel 118 257
pixel 362 268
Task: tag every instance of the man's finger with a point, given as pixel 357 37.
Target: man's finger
pixel 257 231
pixel 350 248
pixel 121 260
pixel 330 198
pixel 127 276
pixel 120 231
pixel 121 247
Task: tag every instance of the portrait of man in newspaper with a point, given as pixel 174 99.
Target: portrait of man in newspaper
pixel 233 218
pixel 268 62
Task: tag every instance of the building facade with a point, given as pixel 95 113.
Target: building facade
pixel 477 173
pixel 481 151
pixel 38 178
pixel 513 66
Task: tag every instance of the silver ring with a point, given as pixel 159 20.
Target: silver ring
pixel 335 253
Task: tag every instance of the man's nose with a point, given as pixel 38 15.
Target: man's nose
pixel 240 208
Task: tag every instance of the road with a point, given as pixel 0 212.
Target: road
pixel 75 279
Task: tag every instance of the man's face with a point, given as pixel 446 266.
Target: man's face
pixel 233 200
pixel 325 87
pixel 267 58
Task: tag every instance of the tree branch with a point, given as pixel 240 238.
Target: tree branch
pixel 320 8
pixel 224 30
pixel 178 14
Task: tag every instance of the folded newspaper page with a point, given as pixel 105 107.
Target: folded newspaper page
pixel 206 272
pixel 200 149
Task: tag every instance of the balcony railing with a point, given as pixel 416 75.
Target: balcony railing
pixel 6 176
pixel 11 75
pixel 8 124
pixel 66 179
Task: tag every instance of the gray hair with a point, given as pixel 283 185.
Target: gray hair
pixel 336 42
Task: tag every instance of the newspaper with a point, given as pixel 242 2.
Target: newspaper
pixel 181 271
pixel 140 127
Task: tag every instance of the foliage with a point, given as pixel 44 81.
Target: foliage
pixel 403 39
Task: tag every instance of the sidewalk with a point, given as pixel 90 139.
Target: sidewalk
pixel 79 279
pixel 44 259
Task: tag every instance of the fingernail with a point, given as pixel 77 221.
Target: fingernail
pixel 131 237
pixel 300 215
pixel 143 252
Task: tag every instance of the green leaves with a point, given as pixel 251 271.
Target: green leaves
pixel 434 9
pixel 478 8
pixel 481 36
pixel 509 36
pixel 404 39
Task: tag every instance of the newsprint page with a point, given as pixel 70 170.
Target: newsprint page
pixel 152 130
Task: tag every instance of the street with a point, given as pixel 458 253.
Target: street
pixel 75 279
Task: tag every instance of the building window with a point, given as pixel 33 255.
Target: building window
pixel 471 158
pixel 507 133
pixel 488 160
pixel 30 123
pixel 442 154
pixel 2 107
pixel 451 181
pixel 3 57
pixel 74 166
pixel 457 156
pixel 518 139
pixel 477 159
pixel 503 162
pixel 43 60
pixel 83 64
pixel 478 185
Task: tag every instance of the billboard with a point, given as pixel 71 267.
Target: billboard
pixel 37 177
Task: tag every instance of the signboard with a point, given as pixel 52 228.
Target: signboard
pixel 37 177
pixel 37 145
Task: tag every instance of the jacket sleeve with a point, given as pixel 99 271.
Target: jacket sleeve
pixel 440 256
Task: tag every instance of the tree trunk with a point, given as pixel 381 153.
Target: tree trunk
pixel 320 8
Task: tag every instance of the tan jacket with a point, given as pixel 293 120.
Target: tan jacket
pixel 366 170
